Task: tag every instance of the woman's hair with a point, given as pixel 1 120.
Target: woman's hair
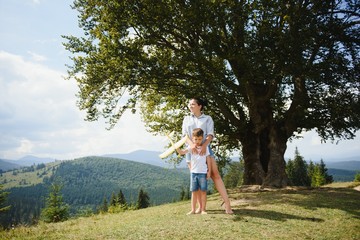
pixel 200 101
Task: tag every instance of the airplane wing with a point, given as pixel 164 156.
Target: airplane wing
pixel 171 149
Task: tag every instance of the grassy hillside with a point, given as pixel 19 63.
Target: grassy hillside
pixel 331 212
pixel 86 182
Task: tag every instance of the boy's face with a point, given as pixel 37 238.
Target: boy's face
pixel 197 140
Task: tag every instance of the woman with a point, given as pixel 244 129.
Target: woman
pixel 199 120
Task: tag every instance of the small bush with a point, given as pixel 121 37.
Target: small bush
pixel 357 177
pixel 117 209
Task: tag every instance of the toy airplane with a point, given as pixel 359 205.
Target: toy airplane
pixel 174 146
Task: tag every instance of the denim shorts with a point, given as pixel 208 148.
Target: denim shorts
pixel 198 181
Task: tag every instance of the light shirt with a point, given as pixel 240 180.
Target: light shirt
pixel 204 122
pixel 198 162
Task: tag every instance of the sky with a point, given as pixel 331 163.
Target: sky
pixel 38 112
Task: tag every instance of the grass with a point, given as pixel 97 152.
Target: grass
pixel 24 179
pixel 331 212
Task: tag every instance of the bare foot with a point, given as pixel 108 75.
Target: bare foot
pixel 191 212
pixel 228 210
pixel 198 211
pixel 203 212
pixel 227 207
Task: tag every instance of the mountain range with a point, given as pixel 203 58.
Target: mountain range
pixel 152 157
pixel 142 156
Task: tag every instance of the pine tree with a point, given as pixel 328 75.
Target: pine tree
pixel 323 170
pixel 318 179
pixel 182 194
pixel 290 171
pixel 121 199
pixel 55 209
pixel 104 207
pixel 113 201
pixel 311 169
pixel 3 196
pixel 298 173
pixel 185 193
pixel 143 200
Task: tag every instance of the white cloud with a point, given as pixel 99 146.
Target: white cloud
pixel 315 139
pixel 37 57
pixel 25 147
pixel 312 148
pixel 39 117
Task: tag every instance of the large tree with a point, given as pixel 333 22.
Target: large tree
pixel 270 69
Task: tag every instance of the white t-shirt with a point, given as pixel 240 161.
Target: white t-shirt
pixel 198 162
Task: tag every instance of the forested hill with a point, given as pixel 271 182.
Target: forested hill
pixel 103 175
pixel 86 181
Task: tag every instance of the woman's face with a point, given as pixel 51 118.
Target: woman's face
pixel 194 107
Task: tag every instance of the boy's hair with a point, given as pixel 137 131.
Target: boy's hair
pixel 197 132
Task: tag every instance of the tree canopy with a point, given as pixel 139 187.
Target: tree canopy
pixel 269 69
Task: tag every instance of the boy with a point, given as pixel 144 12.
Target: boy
pixel 199 166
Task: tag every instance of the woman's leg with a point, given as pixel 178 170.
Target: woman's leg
pixel 220 186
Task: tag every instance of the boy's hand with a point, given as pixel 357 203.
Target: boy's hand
pixel 208 175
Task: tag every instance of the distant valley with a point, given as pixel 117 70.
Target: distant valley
pixel 152 157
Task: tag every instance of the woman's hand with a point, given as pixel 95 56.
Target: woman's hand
pixel 203 149
pixel 193 148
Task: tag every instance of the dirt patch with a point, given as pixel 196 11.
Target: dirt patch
pixel 259 188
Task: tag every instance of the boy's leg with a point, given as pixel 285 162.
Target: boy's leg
pixel 203 202
pixel 197 199
pixel 193 189
pixel 193 202
pixel 202 193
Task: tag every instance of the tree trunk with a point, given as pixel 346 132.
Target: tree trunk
pixel 263 154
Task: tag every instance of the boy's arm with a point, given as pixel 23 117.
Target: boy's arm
pixel 208 162
pixel 182 151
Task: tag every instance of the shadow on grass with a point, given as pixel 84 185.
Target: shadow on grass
pixel 239 215
pixel 271 215
pixel 344 199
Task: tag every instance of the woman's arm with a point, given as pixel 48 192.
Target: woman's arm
pixel 208 162
pixel 206 144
